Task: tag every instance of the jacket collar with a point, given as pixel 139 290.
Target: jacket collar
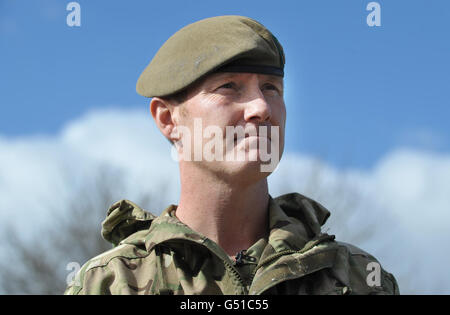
pixel 167 227
pixel 293 221
pixel 123 219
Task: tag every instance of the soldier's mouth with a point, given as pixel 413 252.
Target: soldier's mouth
pixel 258 135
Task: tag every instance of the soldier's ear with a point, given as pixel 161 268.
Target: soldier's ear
pixel 162 113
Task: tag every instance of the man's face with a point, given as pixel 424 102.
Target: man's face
pixel 241 100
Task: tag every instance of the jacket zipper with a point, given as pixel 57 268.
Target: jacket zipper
pixel 236 274
pixel 307 247
pixel 227 265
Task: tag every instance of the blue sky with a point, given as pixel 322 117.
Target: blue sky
pixel 354 92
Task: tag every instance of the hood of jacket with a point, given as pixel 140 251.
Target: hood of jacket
pixel 123 219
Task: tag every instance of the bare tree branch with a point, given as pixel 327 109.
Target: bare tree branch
pixel 73 235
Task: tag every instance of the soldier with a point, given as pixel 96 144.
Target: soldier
pixel 227 235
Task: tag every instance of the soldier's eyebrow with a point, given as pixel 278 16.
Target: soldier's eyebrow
pixel 224 75
pixel 275 80
pixel 216 78
pixel 219 77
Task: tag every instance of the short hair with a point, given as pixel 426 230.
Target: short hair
pixel 176 98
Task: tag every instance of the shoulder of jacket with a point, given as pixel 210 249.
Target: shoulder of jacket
pixel 353 250
pixel 100 265
pixel 364 268
pixel 128 249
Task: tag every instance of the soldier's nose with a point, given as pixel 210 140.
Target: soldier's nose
pixel 257 110
pixel 256 106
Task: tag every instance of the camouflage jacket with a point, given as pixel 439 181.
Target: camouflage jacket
pixel 161 255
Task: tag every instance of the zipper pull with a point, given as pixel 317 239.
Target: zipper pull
pixel 239 257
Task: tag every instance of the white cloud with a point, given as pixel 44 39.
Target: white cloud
pixel 35 171
pixel 404 199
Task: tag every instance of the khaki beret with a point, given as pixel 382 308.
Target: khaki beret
pixel 224 43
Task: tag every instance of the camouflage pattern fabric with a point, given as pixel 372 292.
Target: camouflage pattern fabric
pixel 161 255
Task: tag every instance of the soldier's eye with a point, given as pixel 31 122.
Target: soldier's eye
pixel 228 85
pixel 271 87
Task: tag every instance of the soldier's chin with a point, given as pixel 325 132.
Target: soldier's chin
pixel 246 170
